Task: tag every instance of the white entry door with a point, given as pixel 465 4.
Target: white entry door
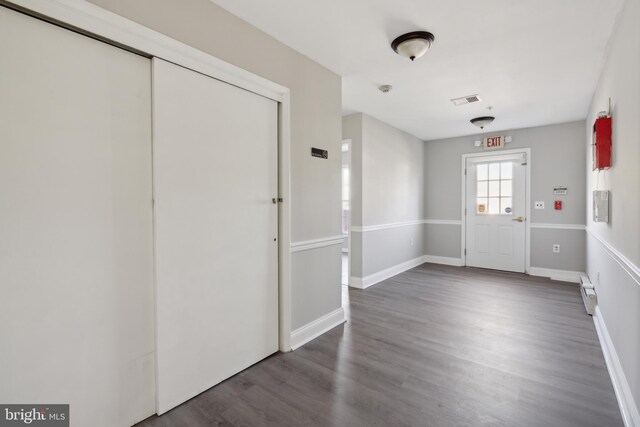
pixel 495 225
pixel 215 175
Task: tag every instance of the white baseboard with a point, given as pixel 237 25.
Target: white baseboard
pixel 561 275
pixel 355 282
pixel 628 408
pixel 443 260
pixel 314 329
pixel 372 279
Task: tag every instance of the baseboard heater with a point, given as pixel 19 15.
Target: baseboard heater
pixel 588 294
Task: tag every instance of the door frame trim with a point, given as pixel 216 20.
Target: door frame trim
pixel 98 23
pixel 463 229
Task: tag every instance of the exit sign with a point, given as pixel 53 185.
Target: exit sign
pixel 493 142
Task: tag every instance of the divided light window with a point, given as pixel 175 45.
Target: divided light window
pixel 494 193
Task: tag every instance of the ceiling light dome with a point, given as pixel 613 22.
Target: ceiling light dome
pixel 413 45
pixel 481 122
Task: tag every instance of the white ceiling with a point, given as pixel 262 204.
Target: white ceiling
pixel 535 61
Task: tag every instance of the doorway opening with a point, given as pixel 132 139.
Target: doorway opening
pixel 346 209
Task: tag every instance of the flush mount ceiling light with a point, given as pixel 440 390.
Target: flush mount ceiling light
pixel 413 45
pixel 481 122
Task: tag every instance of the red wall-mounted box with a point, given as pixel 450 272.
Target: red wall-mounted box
pixel 602 143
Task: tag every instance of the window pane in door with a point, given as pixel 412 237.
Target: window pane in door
pixel 506 205
pixel 482 172
pixel 506 170
pixel 494 205
pixel 481 206
pixel 506 188
pixel 494 188
pixel 494 170
pixel 482 189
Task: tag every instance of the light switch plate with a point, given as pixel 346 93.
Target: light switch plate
pixel 539 204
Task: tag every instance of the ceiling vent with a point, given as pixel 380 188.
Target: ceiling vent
pixel 466 100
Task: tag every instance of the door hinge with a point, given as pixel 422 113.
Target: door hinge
pixel 465 171
pixel 465 251
pixel 465 211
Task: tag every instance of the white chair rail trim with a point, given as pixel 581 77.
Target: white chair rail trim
pixel 316 243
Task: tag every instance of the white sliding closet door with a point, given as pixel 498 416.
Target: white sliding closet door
pixel 215 174
pixel 76 224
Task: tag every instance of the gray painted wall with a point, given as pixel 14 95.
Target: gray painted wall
pixel 442 240
pixel 315 122
pixel 382 249
pixel 557 158
pixel 392 168
pixel 572 249
pixel 618 288
pixel 320 269
pixel 387 188
pixel 619 81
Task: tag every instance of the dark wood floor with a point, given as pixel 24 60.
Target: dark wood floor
pixel 434 346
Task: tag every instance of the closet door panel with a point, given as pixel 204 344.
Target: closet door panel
pixel 76 234
pixel 215 175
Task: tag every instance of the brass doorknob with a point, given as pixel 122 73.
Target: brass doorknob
pixel 519 219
